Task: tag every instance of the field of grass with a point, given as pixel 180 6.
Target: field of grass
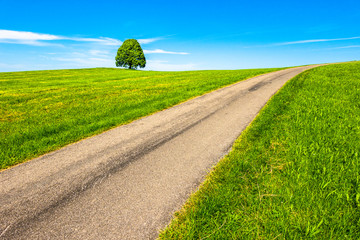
pixel 293 174
pixel 41 111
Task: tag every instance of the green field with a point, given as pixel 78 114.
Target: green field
pixel 293 174
pixel 41 111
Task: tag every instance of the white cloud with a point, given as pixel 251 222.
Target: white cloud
pixel 11 67
pixel 89 52
pixel 158 65
pixel 352 46
pixel 106 60
pixel 86 61
pixel 101 56
pixel 99 53
pixel 148 40
pixel 315 40
pixel 101 40
pixel 17 35
pixel 37 39
pixel 163 52
pixel 156 61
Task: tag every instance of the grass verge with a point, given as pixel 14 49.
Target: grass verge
pixel 41 111
pixel 294 173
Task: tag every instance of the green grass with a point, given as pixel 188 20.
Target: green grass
pixel 293 174
pixel 41 111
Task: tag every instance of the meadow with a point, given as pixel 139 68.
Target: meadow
pixel 41 111
pixel 294 173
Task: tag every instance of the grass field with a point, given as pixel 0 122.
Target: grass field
pixel 41 111
pixel 293 174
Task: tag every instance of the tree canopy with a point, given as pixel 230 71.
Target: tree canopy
pixel 130 54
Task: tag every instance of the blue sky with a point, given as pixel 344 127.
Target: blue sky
pixel 178 35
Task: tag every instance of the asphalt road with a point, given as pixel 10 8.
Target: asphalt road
pixel 127 182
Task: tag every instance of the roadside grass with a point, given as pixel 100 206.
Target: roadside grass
pixel 294 173
pixel 41 111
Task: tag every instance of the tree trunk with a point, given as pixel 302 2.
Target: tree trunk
pixel 129 66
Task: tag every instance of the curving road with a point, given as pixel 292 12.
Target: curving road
pixel 127 182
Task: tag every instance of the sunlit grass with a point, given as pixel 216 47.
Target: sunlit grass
pixel 43 110
pixel 293 174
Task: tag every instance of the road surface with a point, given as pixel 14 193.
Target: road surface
pixel 127 182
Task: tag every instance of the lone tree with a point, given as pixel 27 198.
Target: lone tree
pixel 130 55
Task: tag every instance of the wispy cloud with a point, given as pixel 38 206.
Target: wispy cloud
pixel 76 52
pixel 101 40
pixel 148 40
pixel 314 41
pixel 85 62
pixel 11 67
pixel 41 39
pixel 159 65
pixel 84 58
pixel 19 35
pixel 164 52
pixel 352 46
pixel 99 53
